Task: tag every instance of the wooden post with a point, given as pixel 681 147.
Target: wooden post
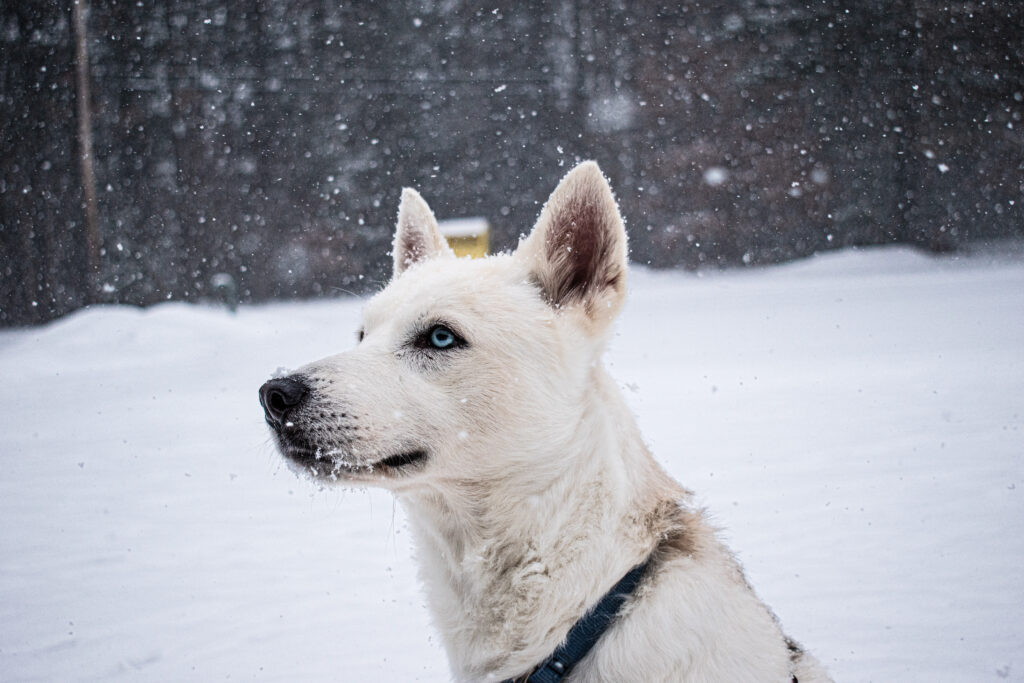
pixel 92 233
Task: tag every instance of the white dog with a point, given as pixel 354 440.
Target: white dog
pixel 477 395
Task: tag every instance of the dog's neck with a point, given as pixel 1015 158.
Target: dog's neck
pixel 508 568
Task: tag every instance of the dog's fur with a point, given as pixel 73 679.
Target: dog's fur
pixel 522 471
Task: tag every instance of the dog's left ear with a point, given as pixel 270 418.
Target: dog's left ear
pixel 417 237
pixel 577 250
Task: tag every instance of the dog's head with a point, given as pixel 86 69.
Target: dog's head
pixel 465 369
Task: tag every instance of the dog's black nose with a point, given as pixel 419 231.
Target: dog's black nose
pixel 281 396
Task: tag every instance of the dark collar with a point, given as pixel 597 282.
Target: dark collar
pixel 586 632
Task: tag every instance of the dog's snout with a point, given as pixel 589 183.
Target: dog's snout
pixel 281 396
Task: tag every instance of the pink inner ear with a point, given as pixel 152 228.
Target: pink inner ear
pixel 412 246
pixel 580 249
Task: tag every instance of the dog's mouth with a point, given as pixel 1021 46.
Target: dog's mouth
pixel 402 460
pixel 333 463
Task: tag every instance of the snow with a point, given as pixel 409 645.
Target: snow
pixel 715 176
pixel 463 227
pixel 855 423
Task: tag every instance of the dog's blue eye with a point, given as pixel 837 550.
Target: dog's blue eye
pixel 438 337
pixel 441 337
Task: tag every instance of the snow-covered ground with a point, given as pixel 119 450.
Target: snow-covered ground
pixel 855 422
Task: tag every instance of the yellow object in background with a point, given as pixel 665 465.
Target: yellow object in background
pixel 467 236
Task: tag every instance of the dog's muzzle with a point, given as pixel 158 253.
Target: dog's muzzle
pixel 281 398
pixel 289 407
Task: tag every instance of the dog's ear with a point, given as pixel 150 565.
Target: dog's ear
pixel 577 250
pixel 417 237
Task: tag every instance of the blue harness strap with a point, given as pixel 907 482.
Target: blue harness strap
pixel 586 632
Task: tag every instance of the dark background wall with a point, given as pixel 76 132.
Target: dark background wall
pixel 269 140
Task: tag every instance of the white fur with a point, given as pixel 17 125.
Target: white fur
pixel 538 493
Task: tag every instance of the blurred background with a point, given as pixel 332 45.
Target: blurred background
pixel 160 150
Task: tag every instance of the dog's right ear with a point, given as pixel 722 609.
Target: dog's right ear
pixel 417 237
pixel 577 250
